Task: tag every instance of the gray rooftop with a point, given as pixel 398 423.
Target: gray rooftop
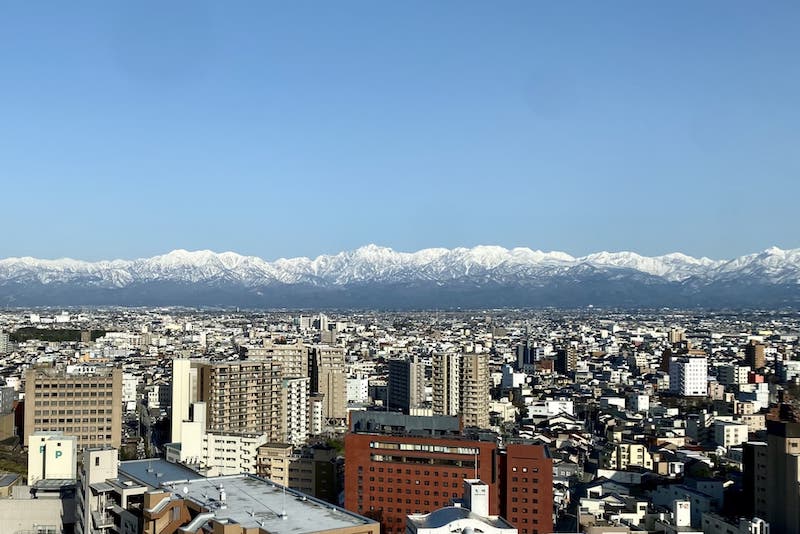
pixel 155 471
pixel 379 422
pixel 54 484
pixel 9 478
pixel 252 502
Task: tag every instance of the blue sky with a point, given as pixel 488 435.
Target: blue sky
pixel 301 128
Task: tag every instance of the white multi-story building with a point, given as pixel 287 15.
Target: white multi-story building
pixel 551 407
pixel 788 370
pixel 295 406
pixel 688 376
pixel 229 455
pixel 130 382
pixel 315 415
pixel 5 343
pixel 358 390
pixel 729 434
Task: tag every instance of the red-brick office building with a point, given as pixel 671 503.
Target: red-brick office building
pixel 389 475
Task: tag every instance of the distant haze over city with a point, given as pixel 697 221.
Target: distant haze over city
pixel 379 277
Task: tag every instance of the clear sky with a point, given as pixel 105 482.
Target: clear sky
pixel 129 129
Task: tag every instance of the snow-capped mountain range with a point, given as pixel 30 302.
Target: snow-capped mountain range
pixel 366 270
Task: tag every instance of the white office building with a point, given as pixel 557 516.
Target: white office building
pixel 688 376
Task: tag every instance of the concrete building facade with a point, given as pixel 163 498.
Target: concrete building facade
pixel 85 405
pixel 688 376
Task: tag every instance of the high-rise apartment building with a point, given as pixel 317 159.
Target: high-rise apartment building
pixel 446 386
pixel 5 343
pixel 525 356
pixel 677 335
pixel 666 358
pixel 222 412
pixel 406 384
pixel 294 408
pixel 328 378
pixel 754 355
pixel 243 397
pixel 238 397
pixel 566 360
pixel 85 405
pixel 184 393
pixel 688 376
pixel 391 475
pixel 475 390
pixel 461 386
pixel 293 357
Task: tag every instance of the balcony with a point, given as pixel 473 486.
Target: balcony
pixel 102 520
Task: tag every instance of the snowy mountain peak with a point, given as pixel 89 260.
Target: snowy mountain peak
pixel 774 251
pixel 376 264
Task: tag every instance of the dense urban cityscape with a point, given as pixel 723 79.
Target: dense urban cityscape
pixel 179 420
pixel 381 267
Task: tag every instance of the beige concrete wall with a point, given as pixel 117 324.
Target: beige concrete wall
pixel 24 515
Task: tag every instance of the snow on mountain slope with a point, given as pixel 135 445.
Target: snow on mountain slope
pixel 374 264
pixel 674 267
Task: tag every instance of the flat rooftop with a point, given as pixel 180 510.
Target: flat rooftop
pixel 256 502
pixel 154 472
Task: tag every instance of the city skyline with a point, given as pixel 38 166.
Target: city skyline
pixel 299 130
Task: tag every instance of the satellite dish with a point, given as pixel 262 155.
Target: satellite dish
pixel 186 490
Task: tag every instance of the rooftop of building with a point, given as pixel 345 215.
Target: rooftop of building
pixel 8 479
pixel 381 422
pixel 60 371
pixel 155 471
pixel 253 502
pixel 50 484
pixel 445 516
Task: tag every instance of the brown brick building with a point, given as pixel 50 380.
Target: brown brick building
pixel 390 475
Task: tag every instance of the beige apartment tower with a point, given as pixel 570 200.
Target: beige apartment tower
pixel 87 404
pixel 242 397
pixel 293 357
pixel 328 378
pixel 461 386
pixel 446 390
pixel 754 355
pixel 475 390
